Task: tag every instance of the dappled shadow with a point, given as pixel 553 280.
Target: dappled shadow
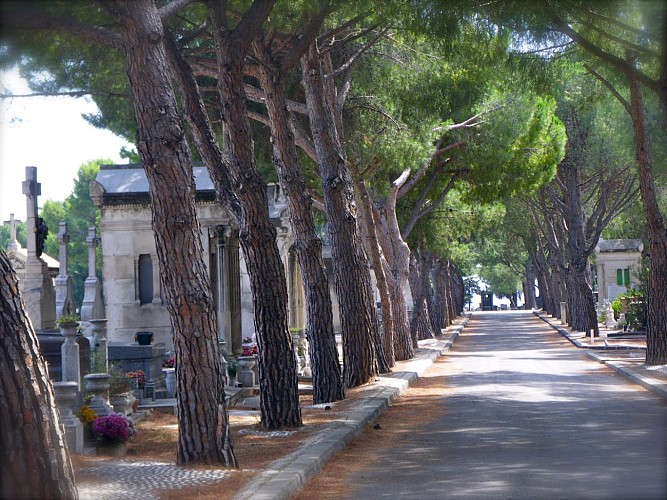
pixel 522 414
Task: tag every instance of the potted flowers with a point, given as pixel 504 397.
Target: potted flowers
pixel 113 432
pixel 120 396
pixel 232 370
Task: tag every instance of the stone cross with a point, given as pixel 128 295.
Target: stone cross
pixel 31 189
pixel 39 294
pixel 63 240
pixel 92 241
pixel 92 306
pixel 64 287
pixel 12 222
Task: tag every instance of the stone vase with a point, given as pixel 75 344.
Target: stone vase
pixel 246 375
pixel 98 385
pixel 170 381
pixel 122 403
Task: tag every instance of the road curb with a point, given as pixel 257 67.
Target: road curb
pixel 656 387
pixel 286 476
pixel 566 333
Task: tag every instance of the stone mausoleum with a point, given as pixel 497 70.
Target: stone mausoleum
pixel 617 264
pixel 133 297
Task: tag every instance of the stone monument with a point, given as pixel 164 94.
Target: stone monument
pixel 13 245
pixel 64 300
pixel 92 307
pixel 38 292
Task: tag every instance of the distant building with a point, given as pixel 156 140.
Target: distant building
pixel 617 265
pixel 133 296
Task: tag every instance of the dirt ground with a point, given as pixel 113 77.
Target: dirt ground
pixel 157 440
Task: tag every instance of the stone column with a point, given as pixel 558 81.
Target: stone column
pixel 13 245
pixel 232 289
pixel 222 307
pixel 69 351
pixel 38 293
pixel 92 307
pixel 66 395
pixel 64 300
pixel 99 351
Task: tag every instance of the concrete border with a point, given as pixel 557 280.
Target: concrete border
pixel 286 476
pixel 652 384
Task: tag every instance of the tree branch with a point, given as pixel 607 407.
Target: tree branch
pixel 620 63
pixel 170 9
pixel 72 93
pixel 28 16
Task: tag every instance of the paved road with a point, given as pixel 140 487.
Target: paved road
pixel 526 415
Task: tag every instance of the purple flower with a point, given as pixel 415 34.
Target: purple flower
pixel 114 427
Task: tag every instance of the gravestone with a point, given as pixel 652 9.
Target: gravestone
pixel 147 358
pixel 92 306
pixel 38 292
pixel 64 300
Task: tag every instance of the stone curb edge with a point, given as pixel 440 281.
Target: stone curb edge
pixel 286 476
pixel 565 333
pixel 652 385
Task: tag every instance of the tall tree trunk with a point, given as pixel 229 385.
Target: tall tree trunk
pixel 380 266
pixel 656 333
pixel 397 253
pixel 278 386
pixel 327 379
pixel 529 286
pixel 359 322
pixel 438 304
pixel 34 460
pixel 420 325
pixel 458 288
pixel 581 301
pixel 204 435
pixel 451 309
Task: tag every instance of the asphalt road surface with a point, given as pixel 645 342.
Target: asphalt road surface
pixel 526 415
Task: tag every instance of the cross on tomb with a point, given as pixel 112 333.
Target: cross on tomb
pixel 63 240
pixel 92 241
pixel 36 229
pixel 12 222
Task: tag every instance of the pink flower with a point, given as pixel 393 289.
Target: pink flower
pixel 114 428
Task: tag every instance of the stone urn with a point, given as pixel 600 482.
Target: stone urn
pixel 123 403
pixel 98 385
pixel 246 375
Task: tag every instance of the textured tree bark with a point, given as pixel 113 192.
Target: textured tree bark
pixel 204 435
pixel 359 322
pixel 369 229
pixel 656 334
pixel 421 324
pixel 327 379
pixel 34 460
pixel 397 253
pixel 581 302
pixel 529 286
pixel 458 290
pixel 279 395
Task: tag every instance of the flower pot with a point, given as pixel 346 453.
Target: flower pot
pixel 143 338
pixel 115 449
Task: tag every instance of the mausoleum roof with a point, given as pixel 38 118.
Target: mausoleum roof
pixel 127 184
pixel 131 179
pixel 628 245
